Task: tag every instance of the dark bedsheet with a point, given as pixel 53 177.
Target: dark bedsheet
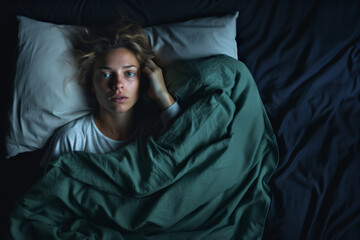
pixel 305 58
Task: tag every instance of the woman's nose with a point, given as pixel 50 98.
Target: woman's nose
pixel 118 82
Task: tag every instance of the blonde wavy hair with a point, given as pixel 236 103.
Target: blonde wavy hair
pixel 91 43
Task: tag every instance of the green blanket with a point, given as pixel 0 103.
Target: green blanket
pixel 206 177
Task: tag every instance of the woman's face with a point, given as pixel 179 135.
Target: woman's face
pixel 116 80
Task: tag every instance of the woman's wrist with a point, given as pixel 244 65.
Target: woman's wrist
pixel 165 100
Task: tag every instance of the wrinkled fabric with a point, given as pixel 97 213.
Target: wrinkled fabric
pixel 305 59
pixel 206 177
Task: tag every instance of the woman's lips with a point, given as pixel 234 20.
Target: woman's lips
pixel 119 98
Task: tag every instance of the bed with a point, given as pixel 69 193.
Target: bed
pixel 304 57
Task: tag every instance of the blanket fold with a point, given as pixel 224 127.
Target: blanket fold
pixel 206 177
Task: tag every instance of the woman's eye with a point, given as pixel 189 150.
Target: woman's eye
pixel 129 74
pixel 104 75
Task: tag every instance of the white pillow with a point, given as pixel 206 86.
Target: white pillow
pixel 193 39
pixel 46 95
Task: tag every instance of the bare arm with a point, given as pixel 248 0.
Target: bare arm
pixel 157 89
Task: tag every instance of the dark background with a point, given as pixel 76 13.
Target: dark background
pixel 305 58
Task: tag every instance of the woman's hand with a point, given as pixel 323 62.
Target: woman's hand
pixel 157 88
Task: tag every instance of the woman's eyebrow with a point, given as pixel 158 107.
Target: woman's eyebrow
pixel 129 66
pixel 105 67
pixel 123 67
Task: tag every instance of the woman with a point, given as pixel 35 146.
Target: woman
pixel 116 65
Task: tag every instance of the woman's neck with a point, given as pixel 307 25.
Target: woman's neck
pixel 117 126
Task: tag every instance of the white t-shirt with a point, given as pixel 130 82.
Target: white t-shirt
pixel 83 135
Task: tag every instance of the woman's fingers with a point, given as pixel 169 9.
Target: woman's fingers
pixel 150 63
pixel 151 68
pixel 147 70
pixel 157 89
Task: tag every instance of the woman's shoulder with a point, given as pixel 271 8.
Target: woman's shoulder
pixel 69 137
pixel 74 128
